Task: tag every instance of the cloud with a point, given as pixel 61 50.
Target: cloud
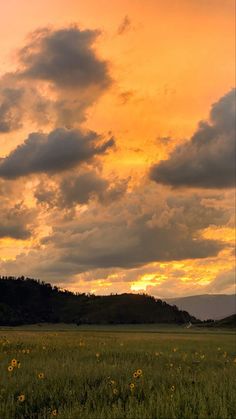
pixel 207 160
pixel 59 150
pixel 140 228
pixel 57 78
pixel 222 282
pixel 16 221
pixel 132 232
pixel 124 26
pixel 78 188
pixel 64 57
pixel 10 108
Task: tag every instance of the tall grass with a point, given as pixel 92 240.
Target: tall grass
pixel 91 375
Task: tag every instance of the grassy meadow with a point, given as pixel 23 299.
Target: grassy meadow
pixel 106 373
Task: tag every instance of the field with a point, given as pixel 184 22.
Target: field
pixel 106 373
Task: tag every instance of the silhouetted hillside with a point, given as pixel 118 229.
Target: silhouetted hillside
pixel 27 301
pixel 227 322
pixel 207 306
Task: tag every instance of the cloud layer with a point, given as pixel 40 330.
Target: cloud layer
pixel 59 150
pixel 207 160
pixel 64 64
pixel 64 57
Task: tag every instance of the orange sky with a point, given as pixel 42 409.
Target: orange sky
pixel 171 61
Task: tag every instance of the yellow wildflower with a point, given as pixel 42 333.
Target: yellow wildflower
pixel 135 375
pixel 41 375
pixel 14 362
pixel 115 391
pixel 10 368
pixel 172 388
pixel 131 386
pixel 21 398
pixel 54 412
pixel 139 372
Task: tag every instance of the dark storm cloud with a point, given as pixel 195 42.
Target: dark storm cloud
pixel 10 108
pixel 64 57
pixel 208 159
pixel 128 234
pixel 59 150
pixel 16 221
pixel 80 189
pixel 75 77
pixel 140 228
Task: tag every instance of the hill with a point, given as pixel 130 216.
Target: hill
pixel 28 301
pixel 229 321
pixel 207 306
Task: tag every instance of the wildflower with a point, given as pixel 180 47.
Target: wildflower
pixel 135 375
pixel 139 372
pixel 131 386
pixel 54 412
pixel 172 388
pixel 115 391
pixel 21 398
pixel 10 368
pixel 41 375
pixel 112 382
pixel 14 362
pixel 202 356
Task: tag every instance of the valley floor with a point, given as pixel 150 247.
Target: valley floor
pixel 117 372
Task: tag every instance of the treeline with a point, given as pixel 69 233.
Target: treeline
pixel 28 301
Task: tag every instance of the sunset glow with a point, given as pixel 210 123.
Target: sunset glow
pixel 117 131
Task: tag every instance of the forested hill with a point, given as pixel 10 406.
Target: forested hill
pixel 28 301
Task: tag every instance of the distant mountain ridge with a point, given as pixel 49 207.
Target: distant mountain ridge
pixel 206 306
pixel 27 301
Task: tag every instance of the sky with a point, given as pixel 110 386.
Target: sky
pixel 117 144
